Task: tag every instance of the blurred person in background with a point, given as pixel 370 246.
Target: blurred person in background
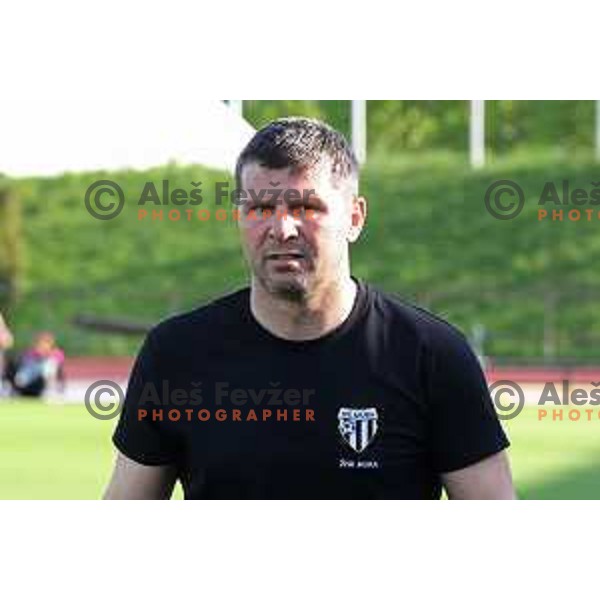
pixel 31 373
pixel 6 342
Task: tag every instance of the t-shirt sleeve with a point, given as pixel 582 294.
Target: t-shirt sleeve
pixel 465 426
pixel 142 439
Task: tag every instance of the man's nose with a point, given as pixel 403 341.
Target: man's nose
pixel 284 226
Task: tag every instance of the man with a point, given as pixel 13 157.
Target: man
pixel 341 391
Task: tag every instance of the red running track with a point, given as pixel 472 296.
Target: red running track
pixel 118 369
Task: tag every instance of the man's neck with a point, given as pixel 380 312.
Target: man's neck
pixel 321 312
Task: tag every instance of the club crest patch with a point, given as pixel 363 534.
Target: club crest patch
pixel 357 426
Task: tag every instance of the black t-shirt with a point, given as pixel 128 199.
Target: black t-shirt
pixel 378 408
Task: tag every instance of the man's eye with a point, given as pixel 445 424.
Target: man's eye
pixel 313 207
pixel 260 211
pixel 305 210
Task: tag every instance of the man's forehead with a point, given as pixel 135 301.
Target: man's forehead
pixel 256 175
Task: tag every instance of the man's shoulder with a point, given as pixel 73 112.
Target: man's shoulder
pixel 426 327
pixel 212 316
pixel 417 334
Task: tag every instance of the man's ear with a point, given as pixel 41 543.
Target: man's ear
pixel 357 218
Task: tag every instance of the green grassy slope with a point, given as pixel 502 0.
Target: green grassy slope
pixel 429 238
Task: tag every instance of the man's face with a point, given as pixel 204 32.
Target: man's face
pixel 303 242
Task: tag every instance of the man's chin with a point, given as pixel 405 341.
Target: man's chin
pixel 292 287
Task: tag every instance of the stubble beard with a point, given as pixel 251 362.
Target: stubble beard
pixel 294 289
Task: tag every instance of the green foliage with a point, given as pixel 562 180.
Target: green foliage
pixel 334 112
pixel 10 247
pixel 542 123
pixel 408 125
pixel 398 126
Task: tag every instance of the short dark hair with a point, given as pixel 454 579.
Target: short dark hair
pixel 300 143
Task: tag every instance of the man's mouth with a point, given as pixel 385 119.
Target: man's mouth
pixel 285 255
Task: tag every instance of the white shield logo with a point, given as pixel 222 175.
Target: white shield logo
pixel 357 426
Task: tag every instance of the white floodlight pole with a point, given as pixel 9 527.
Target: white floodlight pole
pixel 477 133
pixel 598 130
pixel 237 106
pixel 359 129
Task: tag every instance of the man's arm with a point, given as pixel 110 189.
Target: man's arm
pixel 134 481
pixel 489 479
